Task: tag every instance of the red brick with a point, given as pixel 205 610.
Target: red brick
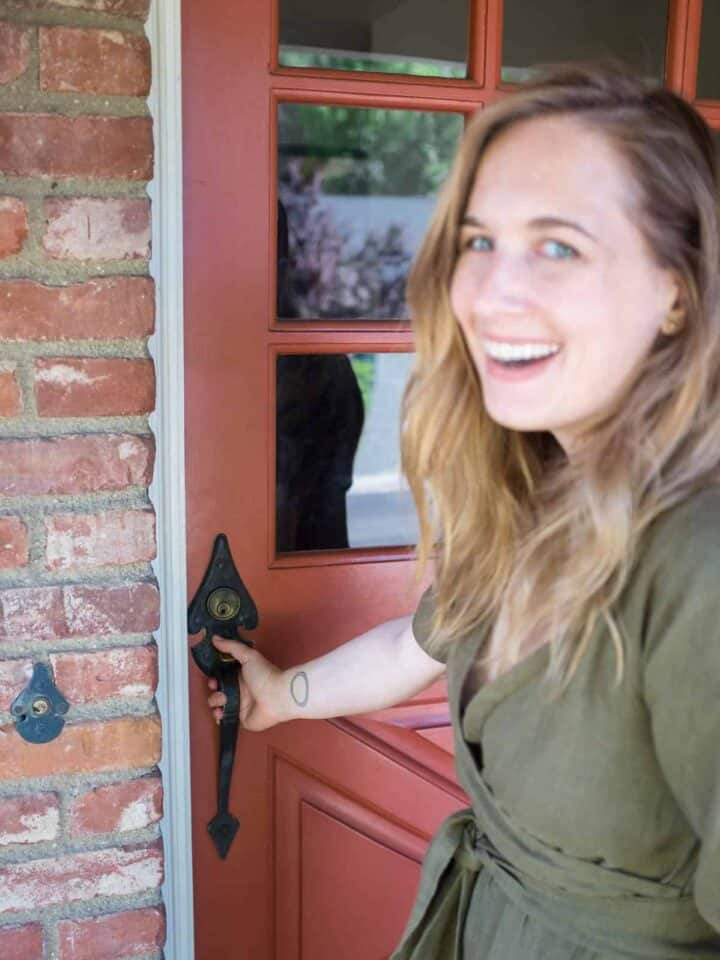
pixel 10 394
pixel 13 543
pixel 131 608
pixel 29 819
pixel 14 51
pixel 130 8
pixel 110 538
pixel 14 675
pixel 94 387
pixel 113 937
pixel 50 145
pixel 57 613
pixel 119 744
pixel 13 226
pixel 113 308
pixel 119 871
pixel 89 228
pixel 131 805
pixel 75 464
pixel 94 61
pixel 22 943
pixel 118 672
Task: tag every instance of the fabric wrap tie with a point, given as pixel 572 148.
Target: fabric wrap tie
pixel 626 925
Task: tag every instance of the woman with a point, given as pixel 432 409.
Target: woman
pixel 564 415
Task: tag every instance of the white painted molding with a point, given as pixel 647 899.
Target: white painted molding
pixel 168 487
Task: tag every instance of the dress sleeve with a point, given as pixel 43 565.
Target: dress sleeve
pixel 682 683
pixel 422 629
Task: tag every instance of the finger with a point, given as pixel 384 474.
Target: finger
pixel 217 713
pixel 217 700
pixel 240 651
pixel 212 683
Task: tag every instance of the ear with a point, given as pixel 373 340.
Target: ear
pixel 671 293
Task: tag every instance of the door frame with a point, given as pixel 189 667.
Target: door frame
pixel 167 490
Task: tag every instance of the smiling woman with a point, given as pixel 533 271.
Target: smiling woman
pixel 561 436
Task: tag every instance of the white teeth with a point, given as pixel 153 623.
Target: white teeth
pixel 508 352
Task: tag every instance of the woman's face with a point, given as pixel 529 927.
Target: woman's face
pixel 554 288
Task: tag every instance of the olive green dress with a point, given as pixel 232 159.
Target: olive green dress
pixel 594 830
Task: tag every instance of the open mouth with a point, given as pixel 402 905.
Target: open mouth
pixel 519 355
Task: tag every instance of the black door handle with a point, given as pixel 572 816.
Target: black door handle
pixel 222 605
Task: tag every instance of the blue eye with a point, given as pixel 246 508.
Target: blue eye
pixel 479 243
pixel 557 250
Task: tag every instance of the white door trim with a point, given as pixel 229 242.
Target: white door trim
pixel 168 488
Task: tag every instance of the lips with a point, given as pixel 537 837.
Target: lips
pixel 518 352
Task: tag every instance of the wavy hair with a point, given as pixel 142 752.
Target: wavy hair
pixel 537 544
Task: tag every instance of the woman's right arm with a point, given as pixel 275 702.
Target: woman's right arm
pixel 375 670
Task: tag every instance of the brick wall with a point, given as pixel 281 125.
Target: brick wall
pixel 80 853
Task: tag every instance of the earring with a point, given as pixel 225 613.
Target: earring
pixel 674 322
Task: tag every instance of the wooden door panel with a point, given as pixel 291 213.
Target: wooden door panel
pixel 334 816
pixel 348 876
pixel 348 846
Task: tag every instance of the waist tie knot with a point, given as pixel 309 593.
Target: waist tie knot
pixel 629 926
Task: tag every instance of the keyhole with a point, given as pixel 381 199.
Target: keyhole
pixel 40 706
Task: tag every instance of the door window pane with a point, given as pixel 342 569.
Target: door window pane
pixel 421 37
pixel 708 79
pixel 338 454
pixel 537 32
pixel 356 190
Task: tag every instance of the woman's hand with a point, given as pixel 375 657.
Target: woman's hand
pixel 261 688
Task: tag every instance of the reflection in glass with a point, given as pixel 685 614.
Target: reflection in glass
pixel 356 190
pixel 420 37
pixel 708 78
pixel 552 31
pixel 338 457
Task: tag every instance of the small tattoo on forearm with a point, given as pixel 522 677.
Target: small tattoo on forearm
pixel 300 689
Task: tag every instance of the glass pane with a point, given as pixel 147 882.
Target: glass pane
pixel 338 456
pixel 421 37
pixel 536 32
pixel 356 189
pixel 708 79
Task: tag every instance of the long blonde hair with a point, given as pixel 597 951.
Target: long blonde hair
pixel 524 537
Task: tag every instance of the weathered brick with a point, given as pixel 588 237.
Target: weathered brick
pixel 112 308
pixel 13 543
pixel 89 228
pixel 94 387
pixel 14 675
pixel 115 937
pixel 56 613
pixel 129 8
pixel 74 464
pixel 50 145
pixel 10 394
pixel 94 61
pixel 13 226
pixel 29 819
pixel 102 674
pixel 119 871
pixel 118 807
pixel 14 51
pixel 119 744
pixel 22 943
pixel 109 538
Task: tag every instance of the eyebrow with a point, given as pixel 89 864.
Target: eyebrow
pixel 542 223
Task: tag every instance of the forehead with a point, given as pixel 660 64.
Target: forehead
pixel 552 166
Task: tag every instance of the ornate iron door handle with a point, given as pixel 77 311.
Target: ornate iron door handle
pixel 220 606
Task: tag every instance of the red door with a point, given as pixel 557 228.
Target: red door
pixel 335 815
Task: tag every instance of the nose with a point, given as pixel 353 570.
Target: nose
pixel 501 283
